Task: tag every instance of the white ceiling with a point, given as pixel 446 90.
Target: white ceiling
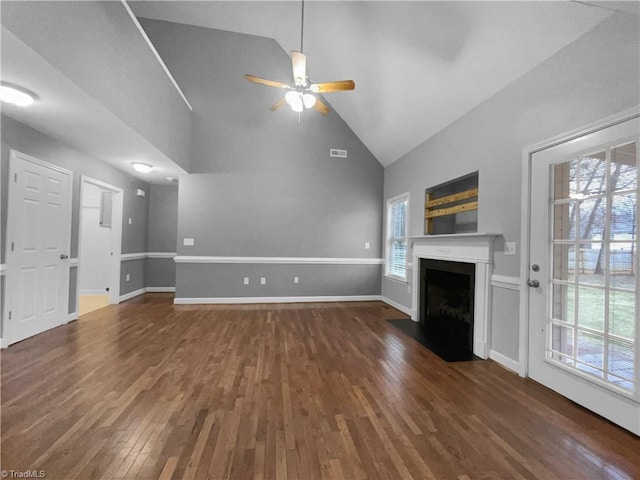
pixel 418 66
pixel 66 112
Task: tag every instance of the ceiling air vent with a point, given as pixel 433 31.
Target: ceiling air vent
pixel 336 152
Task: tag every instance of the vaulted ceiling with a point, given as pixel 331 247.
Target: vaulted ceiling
pixel 418 66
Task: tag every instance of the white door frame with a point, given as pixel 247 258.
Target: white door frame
pixel 15 156
pixel 116 238
pixel 525 218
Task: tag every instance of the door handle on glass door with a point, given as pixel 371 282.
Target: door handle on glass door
pixel 63 256
pixel 533 283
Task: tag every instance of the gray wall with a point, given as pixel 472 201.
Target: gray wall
pixel 163 231
pixel 592 78
pixel 24 139
pixel 265 185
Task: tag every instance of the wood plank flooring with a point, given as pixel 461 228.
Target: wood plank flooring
pixel 148 390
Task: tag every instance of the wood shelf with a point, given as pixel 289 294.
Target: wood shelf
pixel 469 199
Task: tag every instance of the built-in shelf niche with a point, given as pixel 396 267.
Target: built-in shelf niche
pixel 452 207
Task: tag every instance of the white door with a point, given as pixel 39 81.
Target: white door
pixel 38 243
pixel 583 315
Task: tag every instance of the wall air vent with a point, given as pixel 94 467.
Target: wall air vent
pixel 335 152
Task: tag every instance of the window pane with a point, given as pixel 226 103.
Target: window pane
pixel 564 177
pixel 399 219
pixel 623 217
pixel 591 308
pixel 564 221
pixel 592 218
pixel 562 342
pixel 590 352
pixel 593 174
pixel 563 262
pixel 624 170
pixel 622 314
pixel 563 303
pixel 590 264
pixel 621 361
pixel 397 258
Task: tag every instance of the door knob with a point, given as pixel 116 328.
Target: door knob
pixel 63 256
pixel 533 283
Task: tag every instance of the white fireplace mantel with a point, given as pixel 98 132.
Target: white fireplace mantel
pixel 476 248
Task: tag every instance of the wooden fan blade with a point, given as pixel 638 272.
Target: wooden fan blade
pixel 299 64
pixel 277 105
pixel 338 86
pixel 264 81
pixel 321 107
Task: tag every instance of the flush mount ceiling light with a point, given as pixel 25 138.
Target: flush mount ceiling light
pixel 301 95
pixel 142 167
pixel 15 95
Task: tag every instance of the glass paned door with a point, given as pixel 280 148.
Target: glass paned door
pixel 594 275
pixel 583 315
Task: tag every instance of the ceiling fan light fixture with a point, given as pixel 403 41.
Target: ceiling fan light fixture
pixel 294 100
pixel 308 100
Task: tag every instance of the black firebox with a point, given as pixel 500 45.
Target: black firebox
pixel 446 294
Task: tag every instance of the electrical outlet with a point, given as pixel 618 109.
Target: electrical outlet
pixel 367 245
pixel 128 277
pixel 509 248
pixel 263 280
pixel 296 280
pixel 246 280
pixel 130 221
pixel 188 242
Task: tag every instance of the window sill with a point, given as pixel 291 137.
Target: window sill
pixel 402 281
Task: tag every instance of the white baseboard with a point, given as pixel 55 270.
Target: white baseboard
pixel 72 316
pixel 397 306
pixel 161 289
pixel 241 300
pixel 505 361
pixel 130 295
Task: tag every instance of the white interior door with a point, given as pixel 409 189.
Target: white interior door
pixel 583 302
pixel 38 243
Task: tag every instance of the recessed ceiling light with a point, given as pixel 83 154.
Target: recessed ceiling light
pixel 142 167
pixel 16 95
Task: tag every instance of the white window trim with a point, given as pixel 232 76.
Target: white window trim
pixel 387 236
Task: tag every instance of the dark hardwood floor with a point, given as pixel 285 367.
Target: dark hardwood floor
pixel 148 390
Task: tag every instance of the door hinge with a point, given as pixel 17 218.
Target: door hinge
pixel 15 178
pixel 12 245
pixel 9 314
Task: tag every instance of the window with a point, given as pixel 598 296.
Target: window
pixel 396 262
pixel 595 298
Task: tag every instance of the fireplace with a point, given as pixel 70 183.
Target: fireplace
pixel 474 251
pixel 447 291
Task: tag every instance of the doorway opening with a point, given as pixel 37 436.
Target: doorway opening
pixel 100 235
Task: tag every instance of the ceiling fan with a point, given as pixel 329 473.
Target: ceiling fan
pixel 301 95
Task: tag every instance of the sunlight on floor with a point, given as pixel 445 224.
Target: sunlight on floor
pixel 89 303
